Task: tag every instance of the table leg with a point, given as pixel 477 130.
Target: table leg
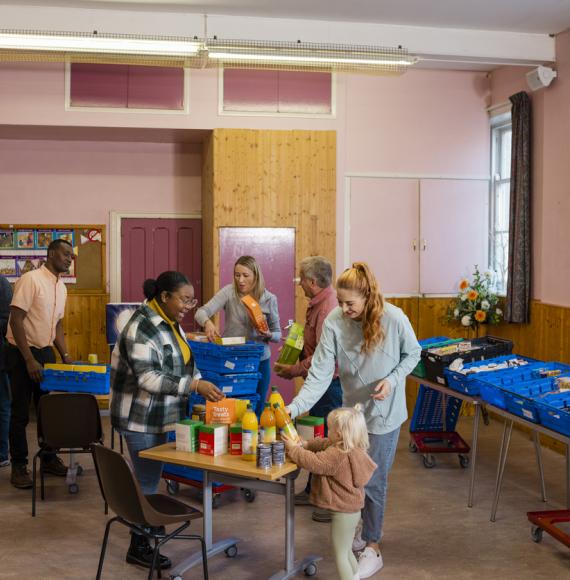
pixel 473 454
pixel 505 442
pixel 212 548
pixel 568 476
pixel 537 448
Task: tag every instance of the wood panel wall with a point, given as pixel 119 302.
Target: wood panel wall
pixel 269 179
pixel 84 326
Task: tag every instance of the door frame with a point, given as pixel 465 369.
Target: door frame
pixel 115 223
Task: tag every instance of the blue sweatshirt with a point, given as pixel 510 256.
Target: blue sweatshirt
pixel 341 342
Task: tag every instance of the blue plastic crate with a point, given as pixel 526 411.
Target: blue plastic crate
pixel 471 384
pixel 234 385
pixel 428 414
pixel 227 360
pixel 77 381
pixel 554 412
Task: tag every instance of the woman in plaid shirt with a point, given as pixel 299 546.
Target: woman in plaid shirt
pixel 152 375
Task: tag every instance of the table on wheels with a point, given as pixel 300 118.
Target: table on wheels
pixel 233 470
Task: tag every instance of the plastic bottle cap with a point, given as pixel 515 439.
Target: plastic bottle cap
pixel 275 405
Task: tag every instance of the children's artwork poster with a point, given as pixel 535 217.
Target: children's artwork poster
pixel 23 250
pixel 29 263
pixel 43 238
pixel 25 239
pixel 66 235
pixel 8 266
pixel 7 239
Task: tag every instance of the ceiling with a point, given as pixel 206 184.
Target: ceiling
pixel 531 16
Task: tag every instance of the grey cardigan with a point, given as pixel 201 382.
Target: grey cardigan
pixel 237 322
pixel 340 343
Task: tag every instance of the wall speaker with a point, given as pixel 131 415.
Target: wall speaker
pixel 540 77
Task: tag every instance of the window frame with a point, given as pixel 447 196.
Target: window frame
pixel 499 126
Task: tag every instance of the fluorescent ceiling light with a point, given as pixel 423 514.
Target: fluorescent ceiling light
pixel 104 44
pixel 307 59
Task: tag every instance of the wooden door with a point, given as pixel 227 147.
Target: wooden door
pixel 384 224
pixel 150 246
pixel 274 251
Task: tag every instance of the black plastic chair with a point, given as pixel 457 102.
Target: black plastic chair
pixel 138 512
pixel 67 423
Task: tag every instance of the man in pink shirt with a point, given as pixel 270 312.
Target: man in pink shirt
pixel 316 281
pixel 35 326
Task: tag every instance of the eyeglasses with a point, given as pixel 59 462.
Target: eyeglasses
pixel 189 302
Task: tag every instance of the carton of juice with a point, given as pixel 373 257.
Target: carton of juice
pixel 255 313
pixel 293 346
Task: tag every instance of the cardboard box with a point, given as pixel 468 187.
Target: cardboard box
pixel 213 439
pixel 230 340
pixel 187 435
pixel 255 313
pixel 311 427
pixel 235 439
pixel 293 346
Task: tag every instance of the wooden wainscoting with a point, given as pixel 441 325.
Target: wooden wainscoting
pixel 84 326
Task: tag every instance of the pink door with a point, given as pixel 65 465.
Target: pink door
pixel 150 246
pixel 274 250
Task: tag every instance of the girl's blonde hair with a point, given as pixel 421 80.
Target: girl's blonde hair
pixel 350 423
pixel 360 279
pixel 250 263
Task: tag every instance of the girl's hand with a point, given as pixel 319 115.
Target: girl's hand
pixel 211 331
pixel 382 390
pixel 209 391
pixel 290 443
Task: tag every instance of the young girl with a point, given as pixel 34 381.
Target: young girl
pixel 341 468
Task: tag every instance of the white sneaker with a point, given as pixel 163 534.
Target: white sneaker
pixel 369 563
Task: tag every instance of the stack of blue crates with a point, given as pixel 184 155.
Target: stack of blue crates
pixel 75 380
pixel 234 369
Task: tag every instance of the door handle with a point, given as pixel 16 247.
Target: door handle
pixel 414 244
pixel 424 245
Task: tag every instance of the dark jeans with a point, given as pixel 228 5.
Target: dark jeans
pixel 23 389
pixel 332 399
pixel 5 405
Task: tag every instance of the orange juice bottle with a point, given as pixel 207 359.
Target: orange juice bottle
pixel 267 429
pixel 285 424
pixel 276 397
pixel 249 434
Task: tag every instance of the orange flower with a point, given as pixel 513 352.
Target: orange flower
pixel 464 284
pixel 472 295
pixel 480 316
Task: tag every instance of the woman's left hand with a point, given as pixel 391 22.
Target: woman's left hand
pixel 382 390
pixel 209 391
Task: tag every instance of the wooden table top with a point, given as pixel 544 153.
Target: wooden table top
pixel 227 464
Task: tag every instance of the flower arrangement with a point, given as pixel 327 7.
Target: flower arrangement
pixel 477 302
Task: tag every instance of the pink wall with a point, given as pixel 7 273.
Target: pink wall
pixel 551 173
pixel 81 182
pixel 425 122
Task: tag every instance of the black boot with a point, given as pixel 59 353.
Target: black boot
pixel 140 552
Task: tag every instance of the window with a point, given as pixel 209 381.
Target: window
pixel 112 86
pixel 273 92
pixel 501 133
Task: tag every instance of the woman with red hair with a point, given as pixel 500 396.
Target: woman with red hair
pixel 374 346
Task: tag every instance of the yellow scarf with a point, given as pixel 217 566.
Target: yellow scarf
pixel 184 348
